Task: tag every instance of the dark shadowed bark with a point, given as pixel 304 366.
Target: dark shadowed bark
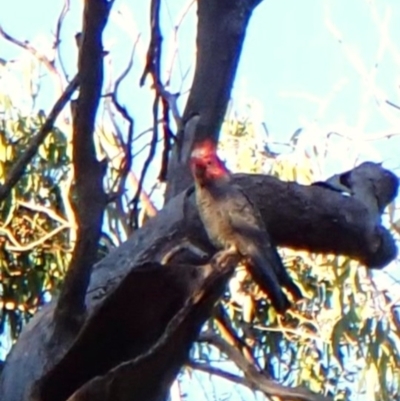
pixel 221 30
pixel 89 199
pixel 134 304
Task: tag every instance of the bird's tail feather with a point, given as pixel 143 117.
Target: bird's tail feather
pixel 264 275
pixel 283 276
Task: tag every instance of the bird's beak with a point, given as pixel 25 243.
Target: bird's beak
pixel 197 153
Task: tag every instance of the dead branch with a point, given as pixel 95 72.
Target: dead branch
pixel 19 167
pixel 211 370
pixel 393 104
pixel 188 304
pixel 90 199
pixel 123 111
pixel 126 164
pixel 257 378
pixel 57 36
pixel 59 24
pixel 152 68
pixel 230 335
pixel 49 64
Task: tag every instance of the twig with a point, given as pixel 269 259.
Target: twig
pixel 181 16
pixel 26 46
pixel 162 176
pixel 230 335
pixel 144 197
pixel 57 40
pixel 19 167
pixel 124 158
pixel 257 378
pixel 206 368
pixel 368 75
pixel 392 104
pixel 298 332
pixel 377 137
pixel 152 67
pixel 60 21
pixel 146 165
pixel 42 209
pixel 168 103
pixel 127 173
pixel 17 247
pixel 49 64
pixel 122 110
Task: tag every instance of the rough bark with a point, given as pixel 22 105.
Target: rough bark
pixel 132 300
pixel 129 381
pixel 89 198
pixel 221 30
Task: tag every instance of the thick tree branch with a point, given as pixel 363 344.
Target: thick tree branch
pixel 89 196
pixel 129 381
pixel 323 220
pixel 123 308
pixel 18 169
pixel 221 31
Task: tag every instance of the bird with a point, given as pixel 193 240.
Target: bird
pixel 233 222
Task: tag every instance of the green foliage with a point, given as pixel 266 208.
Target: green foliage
pixel 37 222
pixel 35 230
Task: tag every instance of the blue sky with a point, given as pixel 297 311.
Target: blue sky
pixel 290 64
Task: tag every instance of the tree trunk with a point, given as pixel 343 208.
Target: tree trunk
pixel 221 30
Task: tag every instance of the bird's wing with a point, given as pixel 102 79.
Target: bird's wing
pixel 244 216
pixel 264 275
pixel 247 222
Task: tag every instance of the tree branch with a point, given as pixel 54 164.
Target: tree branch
pixel 188 304
pixel 152 68
pixel 49 64
pixel 206 368
pixel 229 334
pixel 257 378
pixel 221 31
pixel 18 169
pixel 89 197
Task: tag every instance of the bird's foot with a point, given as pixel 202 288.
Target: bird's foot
pixel 226 258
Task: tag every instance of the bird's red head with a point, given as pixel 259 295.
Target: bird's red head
pixel 205 164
